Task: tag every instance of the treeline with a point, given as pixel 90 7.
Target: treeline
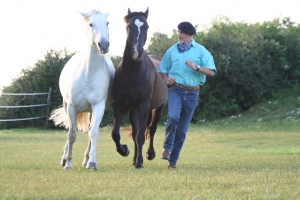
pixel 253 62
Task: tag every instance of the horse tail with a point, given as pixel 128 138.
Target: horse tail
pixel 128 132
pixel 60 118
pixel 83 121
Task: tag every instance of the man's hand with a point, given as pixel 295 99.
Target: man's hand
pixel 170 80
pixel 191 64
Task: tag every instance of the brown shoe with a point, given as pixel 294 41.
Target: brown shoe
pixel 165 154
pixel 171 166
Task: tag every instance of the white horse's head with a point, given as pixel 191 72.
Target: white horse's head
pixel 97 29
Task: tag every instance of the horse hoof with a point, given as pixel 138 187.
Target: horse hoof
pixel 150 156
pixel 63 162
pixel 139 166
pixel 68 165
pixel 125 151
pixel 66 168
pixel 91 165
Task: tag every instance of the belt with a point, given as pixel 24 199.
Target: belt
pixel 187 87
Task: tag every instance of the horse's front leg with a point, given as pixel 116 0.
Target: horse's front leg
pixel 71 136
pixel 115 134
pixel 98 111
pixel 133 119
pixel 140 137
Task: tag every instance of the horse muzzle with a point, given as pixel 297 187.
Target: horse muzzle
pixel 103 47
pixel 136 54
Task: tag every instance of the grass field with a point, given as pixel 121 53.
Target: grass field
pixel 254 155
pixel 215 163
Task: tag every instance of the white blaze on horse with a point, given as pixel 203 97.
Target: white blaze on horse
pixel 86 87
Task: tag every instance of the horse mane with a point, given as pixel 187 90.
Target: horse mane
pixel 129 16
pixel 90 13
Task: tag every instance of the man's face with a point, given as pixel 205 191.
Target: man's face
pixel 184 38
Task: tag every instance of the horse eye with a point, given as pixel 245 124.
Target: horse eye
pixel 107 23
pixel 91 25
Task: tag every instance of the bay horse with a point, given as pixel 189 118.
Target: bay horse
pixel 86 87
pixel 138 89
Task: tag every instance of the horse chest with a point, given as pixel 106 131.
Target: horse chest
pixel 131 92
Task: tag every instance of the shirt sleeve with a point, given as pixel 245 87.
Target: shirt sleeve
pixel 165 63
pixel 208 61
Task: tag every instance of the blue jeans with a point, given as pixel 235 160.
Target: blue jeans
pixel 181 106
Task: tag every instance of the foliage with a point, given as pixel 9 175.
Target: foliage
pixel 159 43
pixel 116 60
pixel 36 79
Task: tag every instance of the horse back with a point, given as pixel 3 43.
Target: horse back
pixel 160 89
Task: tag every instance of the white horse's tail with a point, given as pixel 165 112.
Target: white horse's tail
pixel 60 118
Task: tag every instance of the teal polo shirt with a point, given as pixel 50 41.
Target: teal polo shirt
pixel 173 64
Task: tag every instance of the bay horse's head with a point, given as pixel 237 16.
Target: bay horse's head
pixel 137 27
pixel 97 29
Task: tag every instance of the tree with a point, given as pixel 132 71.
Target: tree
pixel 159 43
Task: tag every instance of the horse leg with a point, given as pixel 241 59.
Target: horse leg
pixel 98 111
pixel 155 118
pixel 86 154
pixel 123 150
pixel 133 119
pixel 71 135
pixel 140 137
pixel 64 156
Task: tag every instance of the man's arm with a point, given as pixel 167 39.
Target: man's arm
pixel 168 80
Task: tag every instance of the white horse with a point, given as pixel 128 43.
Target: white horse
pixel 85 84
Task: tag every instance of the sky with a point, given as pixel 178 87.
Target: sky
pixel 30 28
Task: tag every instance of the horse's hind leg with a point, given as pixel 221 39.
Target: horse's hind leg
pixel 64 156
pixel 86 154
pixel 156 116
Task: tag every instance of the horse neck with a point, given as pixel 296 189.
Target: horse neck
pixel 94 56
pixel 94 60
pixel 127 58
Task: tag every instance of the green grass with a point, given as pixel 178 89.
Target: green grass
pixel 214 164
pixel 254 155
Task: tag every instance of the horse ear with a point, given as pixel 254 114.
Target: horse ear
pixel 128 12
pixel 84 14
pixel 106 14
pixel 146 13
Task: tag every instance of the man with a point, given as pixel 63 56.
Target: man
pixel 184 68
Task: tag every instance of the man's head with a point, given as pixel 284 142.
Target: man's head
pixel 185 32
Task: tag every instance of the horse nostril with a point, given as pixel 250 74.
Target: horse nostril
pixel 99 44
